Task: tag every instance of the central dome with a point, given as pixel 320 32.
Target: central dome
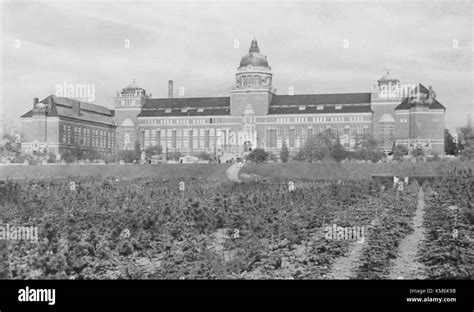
pixel 254 57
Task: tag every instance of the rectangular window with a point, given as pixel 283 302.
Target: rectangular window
pixel 198 138
pixel 272 138
pixel 206 138
pixel 147 138
pixel 153 138
pixel 158 136
pixel 173 139
pixel 291 137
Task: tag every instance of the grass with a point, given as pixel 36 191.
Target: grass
pixel 351 171
pixel 215 172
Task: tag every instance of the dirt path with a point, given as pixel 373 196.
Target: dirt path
pixel 233 172
pixel 345 267
pixel 406 265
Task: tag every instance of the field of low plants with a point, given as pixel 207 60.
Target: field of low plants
pixel 200 228
pixel 448 251
pixel 150 228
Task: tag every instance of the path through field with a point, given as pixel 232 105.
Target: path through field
pixel 406 265
pixel 345 267
pixel 233 171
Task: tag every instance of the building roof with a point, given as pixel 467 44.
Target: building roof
pixel 320 103
pixel 406 103
pixel 203 106
pixel 254 57
pixel 65 107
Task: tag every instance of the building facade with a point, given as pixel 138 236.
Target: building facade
pixel 420 121
pixel 254 115
pixel 60 125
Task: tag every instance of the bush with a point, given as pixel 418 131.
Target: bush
pixel 316 148
pixel 258 155
pixel 153 150
pixel 174 155
pixel 68 157
pixel 418 153
pixel 365 154
pixel 52 158
pixel 467 154
pixel 91 155
pixel 399 151
pixel 110 159
pixel 436 157
pixel 284 153
pixel 204 156
pixel 338 152
pixel 128 156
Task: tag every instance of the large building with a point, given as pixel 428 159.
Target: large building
pixel 253 115
pixel 59 125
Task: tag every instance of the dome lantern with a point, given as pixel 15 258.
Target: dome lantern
pixel 254 71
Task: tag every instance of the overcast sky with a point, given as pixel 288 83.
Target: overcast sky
pixel 192 43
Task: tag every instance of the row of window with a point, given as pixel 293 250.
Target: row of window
pixel 127 102
pixel 186 138
pixel 87 137
pixel 337 119
pixel 253 80
pixel 405 120
pixel 302 133
pixel 283 131
pixel 279 120
pixel 186 121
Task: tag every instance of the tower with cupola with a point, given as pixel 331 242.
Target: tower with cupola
pixel 386 94
pixel 253 83
pixel 128 104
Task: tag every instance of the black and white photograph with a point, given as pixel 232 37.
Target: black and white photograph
pixel 170 141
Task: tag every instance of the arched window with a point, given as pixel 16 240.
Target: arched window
pixel 387 129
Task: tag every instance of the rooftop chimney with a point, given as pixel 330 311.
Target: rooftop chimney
pixel 35 101
pixel 170 89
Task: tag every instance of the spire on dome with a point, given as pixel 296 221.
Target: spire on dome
pixel 386 76
pixel 254 46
